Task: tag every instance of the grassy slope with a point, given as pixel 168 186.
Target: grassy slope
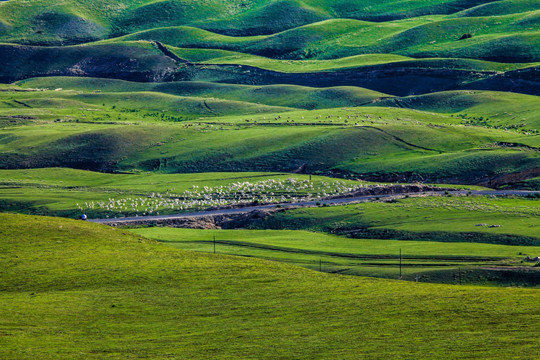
pixel 429 261
pixel 346 39
pixel 57 191
pixel 390 142
pixel 273 95
pixel 503 7
pixel 442 219
pixel 349 62
pixel 142 61
pixel 139 61
pixel 489 108
pixel 419 29
pixel 79 290
pixel 419 37
pixel 83 20
pixel 326 243
pixel 397 78
pixel 397 152
pixel 496 109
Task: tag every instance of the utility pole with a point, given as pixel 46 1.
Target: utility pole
pixel 400 263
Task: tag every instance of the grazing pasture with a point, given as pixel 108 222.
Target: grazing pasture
pixel 73 289
pixel 114 108
pixel 69 192
pixel 449 219
pixel 452 263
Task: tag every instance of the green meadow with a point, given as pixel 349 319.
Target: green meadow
pixel 447 218
pixel 72 289
pixel 150 107
pixel 452 263
pixel 68 192
pixel 437 138
pixel 456 240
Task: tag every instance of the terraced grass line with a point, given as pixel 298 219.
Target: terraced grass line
pixel 342 255
pixel 430 261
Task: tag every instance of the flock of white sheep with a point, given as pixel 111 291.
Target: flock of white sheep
pixel 236 194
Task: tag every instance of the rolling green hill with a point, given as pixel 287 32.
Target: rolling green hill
pixel 398 91
pixel 77 21
pixel 475 137
pixel 502 110
pixel 423 37
pixel 72 289
pixel 445 219
pixel 275 95
pixel 503 7
pixel 140 107
pixel 445 262
pixel 358 44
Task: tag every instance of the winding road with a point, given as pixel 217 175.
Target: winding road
pixel 335 201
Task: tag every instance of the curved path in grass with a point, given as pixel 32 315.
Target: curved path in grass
pixel 336 201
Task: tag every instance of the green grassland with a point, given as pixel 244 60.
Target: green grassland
pixel 145 62
pixel 418 37
pixel 424 261
pixel 64 192
pixel 242 98
pixel 145 107
pixel 79 290
pixel 358 150
pixel 496 109
pixel 497 8
pixel 350 62
pixel 83 20
pixel 489 108
pixel 308 44
pixel 432 218
pixel 178 127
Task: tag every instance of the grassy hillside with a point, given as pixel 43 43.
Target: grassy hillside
pixel 503 7
pixel 454 263
pixel 355 47
pixel 418 37
pixel 450 219
pixel 144 107
pixel 116 130
pixel 394 95
pixel 82 20
pixel 360 150
pixel 69 193
pixel 137 61
pixel 131 95
pixel 144 61
pixel 486 108
pixel 501 110
pixel 79 290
